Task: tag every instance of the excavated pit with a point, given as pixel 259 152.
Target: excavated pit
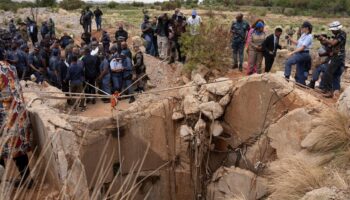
pixel 184 159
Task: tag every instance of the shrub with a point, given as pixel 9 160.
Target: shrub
pixel 210 48
pixel 112 4
pixel 46 3
pixel 138 4
pixel 71 4
pixel 289 11
pixel 170 5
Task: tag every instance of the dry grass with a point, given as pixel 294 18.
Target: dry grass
pixel 333 136
pixel 293 178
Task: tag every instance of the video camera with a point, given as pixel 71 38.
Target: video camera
pixel 318 36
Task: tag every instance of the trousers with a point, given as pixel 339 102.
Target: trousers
pixel 238 52
pixel 303 62
pixel 255 59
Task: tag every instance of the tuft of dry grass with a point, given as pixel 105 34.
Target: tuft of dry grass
pixel 293 178
pixel 333 136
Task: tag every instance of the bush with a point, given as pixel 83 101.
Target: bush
pixel 170 5
pixel 289 11
pixel 46 3
pixel 112 4
pixel 71 4
pixel 138 4
pixel 210 48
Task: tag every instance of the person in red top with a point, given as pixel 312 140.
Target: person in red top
pixel 14 122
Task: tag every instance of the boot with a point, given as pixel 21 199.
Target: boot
pixel 311 84
pixel 328 94
pixel 171 61
pixel 132 99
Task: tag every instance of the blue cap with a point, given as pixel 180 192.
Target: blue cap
pixel 194 12
pixel 259 25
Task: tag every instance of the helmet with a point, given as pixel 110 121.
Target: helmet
pixel 335 26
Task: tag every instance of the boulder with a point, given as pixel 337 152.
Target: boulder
pixel 177 116
pixel 258 155
pixel 199 80
pixel 201 70
pixel 191 105
pixel 225 100
pixel 343 104
pixel 216 128
pixel 287 133
pixel 211 109
pixel 190 89
pixel 324 193
pixel 185 131
pixel 200 125
pixel 260 100
pixel 220 86
pixel 228 183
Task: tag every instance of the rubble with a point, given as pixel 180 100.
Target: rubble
pixel 220 86
pixel 216 128
pixel 228 183
pixel 211 109
pixel 191 105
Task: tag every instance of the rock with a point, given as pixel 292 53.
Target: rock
pixel 324 193
pixel 258 101
pixel 185 79
pixel 199 80
pixel 211 109
pixel 191 105
pixel 225 100
pixel 177 116
pixel 228 183
pixel 259 153
pixel 191 89
pixel 200 125
pixel 220 86
pixel 2 171
pixel 311 139
pixel 185 131
pixel 216 128
pixel 201 70
pixel 288 132
pixel 343 104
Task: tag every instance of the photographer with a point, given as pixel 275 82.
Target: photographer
pixel 324 53
pixel 337 60
pixel 301 55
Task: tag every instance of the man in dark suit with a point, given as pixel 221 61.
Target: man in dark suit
pixel 270 46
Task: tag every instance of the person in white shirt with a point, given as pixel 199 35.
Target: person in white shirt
pixel 194 22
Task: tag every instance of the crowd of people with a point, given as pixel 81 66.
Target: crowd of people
pixel 162 34
pixel 100 64
pixel 259 47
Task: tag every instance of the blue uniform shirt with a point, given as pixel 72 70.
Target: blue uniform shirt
pixel 75 74
pixel 127 67
pixel 240 30
pixel 306 41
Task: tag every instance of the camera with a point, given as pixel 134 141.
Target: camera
pixel 287 37
pixel 317 36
